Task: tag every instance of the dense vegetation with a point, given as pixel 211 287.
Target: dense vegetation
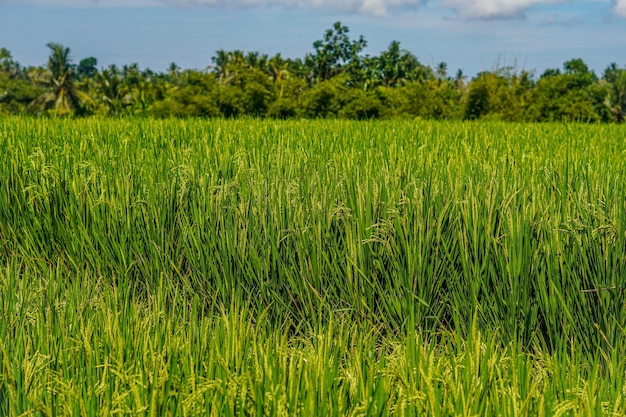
pixel 335 80
pixel 311 268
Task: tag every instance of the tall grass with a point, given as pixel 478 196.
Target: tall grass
pixel 311 268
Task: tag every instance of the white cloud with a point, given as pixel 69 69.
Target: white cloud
pixel 620 8
pixel 470 9
pixel 370 7
pixel 493 9
pixel 88 3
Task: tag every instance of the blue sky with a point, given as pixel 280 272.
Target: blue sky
pixel 473 35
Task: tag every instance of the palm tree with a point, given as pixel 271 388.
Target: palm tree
pixel 278 70
pixel 390 63
pixel 173 72
pixel 616 100
pixel 397 66
pixel 614 78
pixel 62 96
pixel 110 89
pixel 442 70
pixel 221 62
pixel 138 88
pixel 459 80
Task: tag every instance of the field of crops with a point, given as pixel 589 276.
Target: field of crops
pixel 311 268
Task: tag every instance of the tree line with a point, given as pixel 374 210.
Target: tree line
pixel 335 80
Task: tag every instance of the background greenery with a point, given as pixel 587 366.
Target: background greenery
pixel 245 267
pixel 335 80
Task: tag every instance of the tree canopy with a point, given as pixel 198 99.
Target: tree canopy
pixel 336 79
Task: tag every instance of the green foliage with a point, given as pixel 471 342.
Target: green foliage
pixel 500 95
pixel 336 53
pixel 395 67
pixel 8 65
pixel 311 268
pixel 360 105
pixel 16 93
pixel 87 68
pixel 282 109
pixel 231 101
pixel 615 101
pixel 571 95
pixel 194 96
pixel 336 80
pixel 325 98
pixel 61 96
pixel 16 90
pixel 479 98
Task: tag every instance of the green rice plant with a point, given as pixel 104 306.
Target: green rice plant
pixel 306 268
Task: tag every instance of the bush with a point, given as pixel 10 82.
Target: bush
pixel 361 106
pixel 282 109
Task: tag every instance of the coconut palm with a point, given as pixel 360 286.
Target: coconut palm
pixel 110 89
pixel 442 70
pixel 459 80
pixel 396 66
pixel 615 79
pixel 278 71
pixel 221 62
pixel 61 96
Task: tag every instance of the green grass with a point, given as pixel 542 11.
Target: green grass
pixel 311 268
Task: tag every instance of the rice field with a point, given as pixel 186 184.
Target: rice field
pixel 313 268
